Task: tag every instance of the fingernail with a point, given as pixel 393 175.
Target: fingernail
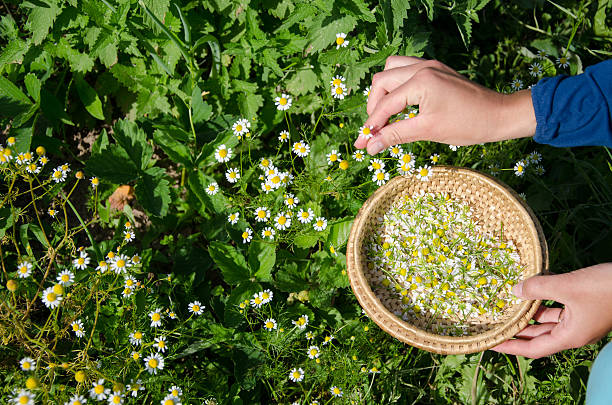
pixel 517 290
pixel 376 147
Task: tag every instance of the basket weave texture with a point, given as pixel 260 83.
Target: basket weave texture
pixel 492 204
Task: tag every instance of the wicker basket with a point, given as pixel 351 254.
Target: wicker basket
pixel 492 203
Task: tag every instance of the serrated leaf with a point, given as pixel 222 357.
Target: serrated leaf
pixel 134 142
pixel 321 38
pixel 302 82
pixel 339 232
pixel 249 104
pixel 113 164
pixel 360 10
pixel 232 264
pixel 158 8
pixel 464 24
pixel 42 15
pixel 302 12
pixel 153 192
pixel 176 151
pixel 12 100
pixel 89 97
pixel 13 52
pixel 100 143
pixel 306 241
pixel 262 256
pixel 79 62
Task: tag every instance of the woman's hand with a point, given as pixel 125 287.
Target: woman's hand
pixel 586 318
pixel 452 109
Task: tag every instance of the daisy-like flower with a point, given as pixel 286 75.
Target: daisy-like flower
pixel 256 301
pixel 10 141
pixel 134 387
pixel 291 200
pixel 266 296
pixel 519 168
pixel 301 148
pixel 58 175
pixel 23 158
pixel 154 362
pixel 120 264
pixel 282 221
pixel 313 352
pixel 98 391
pixel 76 399
pixel 343 165
pixel 341 40
pixel 283 102
pixel 541 54
pixel 365 132
pixel 435 158
pixel 130 282
pixel 266 186
pixel 305 216
pixel 127 292
pixel 301 322
pixel 223 154
pixel 266 164
pixel 337 81
pixel 539 170
pixel 247 235
pixel 232 175
pixel 81 262
pixel 115 398
pixel 309 335
pixel 333 157
pixel 50 298
pixel 241 127
pixel 423 173
pixel 283 136
pixel 319 224
pixel 396 151
pixel 270 324
pixel 94 181
pixel 534 157
pixel 376 164
pixel 339 92
pixel 296 375
pixel 336 391
pixel 156 317
pixel 404 168
pixel 562 62
pixel 171 400
pixel 23 397
pixel 136 337
pixel 196 308
pixel 102 266
pixel 175 391
pixel 366 91
pixel 65 278
pixel 77 328
pixel 212 188
pixel 380 177
pixel 535 69
pixel 453 147
pixel 43 160
pixel 268 232
pixel 358 155
pixel 233 218
pixel 32 168
pixel 27 364
pixel 327 339
pixel 128 235
pixel 516 84
pixel 262 214
pixel 160 344
pixel 52 213
pixel 24 269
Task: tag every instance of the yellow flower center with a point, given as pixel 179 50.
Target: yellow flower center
pixel 336 390
pixel 155 317
pixel 302 150
pixel 65 278
pixel 175 393
pixel 135 355
pixel 51 297
pixel 129 282
pixel 276 179
pixel 26 365
pixel 380 176
pixel 337 82
pixel 153 363
pixel 339 90
pixel 407 158
pixel 423 172
pixel 366 131
pixel 290 201
pixel 116 399
pixel 245 235
pixel 23 269
pixel 282 220
pixel 269 325
pixel 223 153
pixel 239 128
pixel 232 175
pixel 339 40
pixel 257 300
pixel 57 174
pixel 120 263
pixel 313 352
pixel 333 157
pixel 169 402
pixel 98 389
pixel 110 255
pixel 296 375
pixel 305 214
pixel 95 181
pixel 196 308
pixel 282 101
pixel 81 261
pixel 76 327
pixel 161 344
pixel 211 188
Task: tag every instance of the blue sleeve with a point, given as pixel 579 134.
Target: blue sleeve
pixel 575 110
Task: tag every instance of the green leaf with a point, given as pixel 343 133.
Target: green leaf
pixel 321 38
pixel 215 50
pixel 262 256
pixel 186 26
pixel 249 104
pixel 201 111
pixel 134 142
pixel 79 62
pixel 100 143
pixel 12 100
pixel 42 15
pixel 207 155
pixel 157 8
pixel 32 84
pixel 113 164
pixel 13 52
pixel 52 108
pixel 23 138
pixel 232 264
pixel 331 276
pixel 198 182
pixel 177 151
pixel 339 232
pixel 302 82
pixel 306 241
pixel 6 220
pixel 89 97
pixel 153 192
pixel 359 9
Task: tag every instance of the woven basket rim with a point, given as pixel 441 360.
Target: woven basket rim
pixel 415 336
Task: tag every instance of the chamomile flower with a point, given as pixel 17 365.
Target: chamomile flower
pixel 212 188
pixel 52 213
pixel 156 317
pixel 266 296
pixel 171 400
pixel 77 328
pixel 247 235
pixel 33 168
pixel 27 364
pixel 336 391
pixel 301 322
pixel 535 69
pixel 23 397
pixel 270 324
pixel 423 173
pixel 283 102
pixel 366 91
pixel 175 391
pixel 435 158
pixel 404 168
pixel 233 218
pixel 365 132
pixel 256 301
pixel 50 298
pixel 134 387
pixel 358 155
pixel 153 363
pixel 305 216
pixel 241 127
pixel 562 62
pixel 283 136
pixel 396 151
pixel 136 337
pixel 266 187
pixel 65 278
pixel 81 262
pixel 333 157
pixel 94 182
pixel 339 92
pixel 291 200
pixel 98 391
pixel 309 335
pixel 10 141
pixel 58 175
pixel 102 266
pixel 519 168
pixel 301 148
pixel 341 40
pixel 319 224
pixel 380 177
pixel 223 154
pixel 516 84
pixel 196 308
pixel 76 399
pixel 541 54
pixel 337 80
pixel 128 235
pixel 120 264
pixel 539 170
pixel 232 175
pixel 115 398
pixel 296 375
pixel 282 221
pixel 453 147
pixel 268 232
pixel 534 157
pixel 376 164
pixel 24 269
pixel 327 339
pixel 160 344
pixel 262 214
pixel 313 352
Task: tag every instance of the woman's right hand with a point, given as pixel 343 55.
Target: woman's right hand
pixel 452 109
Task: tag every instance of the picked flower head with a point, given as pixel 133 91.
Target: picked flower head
pixel 366 132
pixel 423 173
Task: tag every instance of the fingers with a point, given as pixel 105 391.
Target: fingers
pixel 403 131
pixel 533 331
pixel 540 346
pixel 393 102
pixel 395 61
pixel 388 80
pixel 552 287
pixel 547 315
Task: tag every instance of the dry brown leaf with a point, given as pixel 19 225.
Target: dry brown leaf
pixel 121 196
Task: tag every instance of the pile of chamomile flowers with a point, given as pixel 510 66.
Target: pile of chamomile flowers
pixel 431 264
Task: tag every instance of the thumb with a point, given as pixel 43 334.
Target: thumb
pixel 549 287
pixel 404 131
